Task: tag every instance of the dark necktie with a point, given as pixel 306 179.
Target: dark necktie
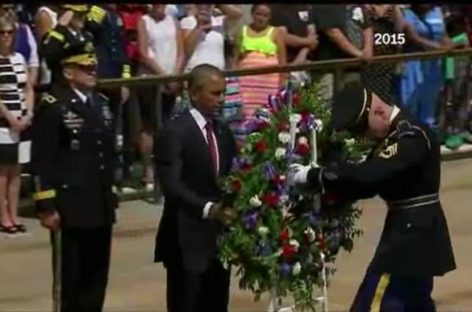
pixel 211 144
pixel 90 100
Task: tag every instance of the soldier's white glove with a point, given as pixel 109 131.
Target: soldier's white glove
pixel 297 174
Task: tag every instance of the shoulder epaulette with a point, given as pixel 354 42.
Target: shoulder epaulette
pixel 48 98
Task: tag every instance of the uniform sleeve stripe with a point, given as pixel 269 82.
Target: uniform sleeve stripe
pixel 379 293
pixel 57 35
pixel 44 195
pixel 96 18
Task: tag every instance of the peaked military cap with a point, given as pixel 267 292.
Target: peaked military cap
pixel 350 108
pixel 78 8
pixel 80 54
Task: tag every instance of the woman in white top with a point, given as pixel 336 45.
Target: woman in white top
pixel 204 34
pixel 16 103
pixel 161 51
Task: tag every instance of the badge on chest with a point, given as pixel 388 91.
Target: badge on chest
pixel 72 120
pixel 107 115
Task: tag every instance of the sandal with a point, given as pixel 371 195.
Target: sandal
pixel 20 227
pixel 8 229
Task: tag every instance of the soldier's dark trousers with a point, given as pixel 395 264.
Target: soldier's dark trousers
pixel 389 293
pixel 85 266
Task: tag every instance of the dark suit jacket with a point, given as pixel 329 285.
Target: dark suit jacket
pixel 188 182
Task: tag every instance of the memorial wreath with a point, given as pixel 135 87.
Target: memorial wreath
pixel 285 239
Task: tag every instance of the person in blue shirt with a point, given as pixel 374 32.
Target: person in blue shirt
pixel 422 80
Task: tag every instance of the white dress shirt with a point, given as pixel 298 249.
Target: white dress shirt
pixel 201 122
pixel 394 114
pixel 81 95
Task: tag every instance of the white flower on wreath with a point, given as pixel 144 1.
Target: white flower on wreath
pixel 295 118
pixel 283 199
pixel 280 153
pixel 255 201
pixel 318 124
pixel 311 235
pixel 263 230
pixel 303 140
pixel 284 137
pixel 349 142
pixel 294 244
pixel 297 268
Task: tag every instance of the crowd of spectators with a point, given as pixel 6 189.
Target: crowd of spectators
pixel 140 40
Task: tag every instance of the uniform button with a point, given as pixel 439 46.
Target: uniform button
pixel 100 155
pixel 102 167
pixel 99 142
pixel 408 225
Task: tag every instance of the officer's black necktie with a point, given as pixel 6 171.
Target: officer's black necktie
pixel 90 100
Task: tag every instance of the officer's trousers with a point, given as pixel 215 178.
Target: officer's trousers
pixel 85 257
pixel 390 293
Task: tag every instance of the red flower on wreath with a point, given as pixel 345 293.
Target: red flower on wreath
pixel 260 146
pixel 288 251
pixel 277 180
pixel 302 149
pixel 296 100
pixel 320 242
pixel 270 199
pixel 283 236
pixel 331 198
pixel 236 185
pixel 246 167
pixel 305 116
pixel 262 126
pixel 283 126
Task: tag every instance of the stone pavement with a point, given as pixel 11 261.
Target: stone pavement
pixel 137 284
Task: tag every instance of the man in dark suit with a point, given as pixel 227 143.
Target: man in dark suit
pixel 404 170
pixel 193 151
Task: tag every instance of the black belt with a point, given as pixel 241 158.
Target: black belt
pixel 413 202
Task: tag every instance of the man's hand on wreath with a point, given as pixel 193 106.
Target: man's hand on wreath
pixel 223 215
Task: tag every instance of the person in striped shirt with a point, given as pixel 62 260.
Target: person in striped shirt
pixel 16 102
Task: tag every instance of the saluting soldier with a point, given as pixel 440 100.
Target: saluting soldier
pixel 77 23
pixel 73 152
pixel 404 170
pixel 107 28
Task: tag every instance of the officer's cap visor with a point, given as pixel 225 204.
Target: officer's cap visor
pixel 81 59
pixel 76 8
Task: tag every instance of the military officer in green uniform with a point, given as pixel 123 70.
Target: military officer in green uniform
pixel 404 170
pixel 73 151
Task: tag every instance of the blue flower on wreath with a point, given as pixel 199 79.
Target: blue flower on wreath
pixel 312 219
pixel 269 170
pixel 250 219
pixel 263 249
pixel 285 269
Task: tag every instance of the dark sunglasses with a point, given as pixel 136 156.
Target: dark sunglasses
pixel 6 32
pixel 87 68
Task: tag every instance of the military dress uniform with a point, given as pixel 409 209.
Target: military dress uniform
pixel 404 170
pixel 73 153
pixel 61 38
pixel 107 28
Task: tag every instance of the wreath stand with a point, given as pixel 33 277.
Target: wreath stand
pixel 274 306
